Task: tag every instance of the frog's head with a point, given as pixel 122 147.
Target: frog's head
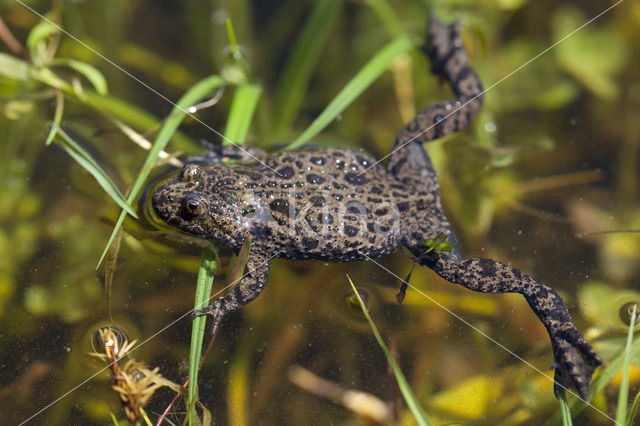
pixel 195 202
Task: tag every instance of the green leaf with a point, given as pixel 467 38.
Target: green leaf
pixel 302 62
pixel 37 43
pixel 48 77
pixel 237 271
pixel 200 90
pixel 623 392
pixel 56 118
pixel 412 402
pixel 367 75
pixel 14 68
pixel 633 410
pixel 83 158
pixel 446 246
pixel 564 408
pixel 235 52
pixel 242 109
pixel 40 32
pixel 202 299
pixel 91 73
pixel 593 56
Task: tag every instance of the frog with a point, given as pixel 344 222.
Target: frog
pixel 338 205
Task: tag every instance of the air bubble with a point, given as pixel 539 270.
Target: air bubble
pixel 626 312
pixel 353 303
pixel 98 344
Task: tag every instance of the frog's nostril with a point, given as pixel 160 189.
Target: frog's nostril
pixel 158 198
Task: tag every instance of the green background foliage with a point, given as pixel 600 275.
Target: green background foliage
pixel 553 153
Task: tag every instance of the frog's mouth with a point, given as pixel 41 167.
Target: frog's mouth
pixel 163 205
pixel 149 203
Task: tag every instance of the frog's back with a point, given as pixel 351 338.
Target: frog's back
pixel 322 206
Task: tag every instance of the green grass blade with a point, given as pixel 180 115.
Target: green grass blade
pixel 203 293
pixel 14 68
pixel 623 394
pixel 302 62
pixel 200 90
pixel 235 52
pixel 83 158
pixel 632 412
pixel 57 118
pixel 412 402
pixel 240 116
pixel 48 77
pixel 367 75
pixel 244 104
pixel 37 42
pixel 90 72
pixel 40 32
pixel 566 411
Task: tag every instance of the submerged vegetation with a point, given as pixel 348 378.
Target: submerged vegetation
pixel 87 116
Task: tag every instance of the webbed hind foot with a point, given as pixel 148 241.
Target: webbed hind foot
pixel 575 359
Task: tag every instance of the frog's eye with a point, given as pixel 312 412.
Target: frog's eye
pixel 193 206
pixel 190 173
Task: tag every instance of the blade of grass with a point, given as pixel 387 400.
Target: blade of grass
pixel 301 63
pixel 56 118
pixel 367 75
pixel 200 90
pixel 633 410
pixel 40 32
pixel 14 68
pixel 235 52
pixel 203 293
pixel 623 395
pixel 37 42
pixel 412 402
pixel 83 158
pixel 236 70
pixel 91 73
pixel 244 104
pixel 566 411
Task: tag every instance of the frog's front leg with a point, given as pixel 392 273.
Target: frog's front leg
pixel 250 286
pixel 575 359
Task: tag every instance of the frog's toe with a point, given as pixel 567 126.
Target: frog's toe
pixel 575 363
pixel 215 310
pixel 208 310
pixel 198 313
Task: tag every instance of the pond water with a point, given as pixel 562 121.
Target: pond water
pixel 552 154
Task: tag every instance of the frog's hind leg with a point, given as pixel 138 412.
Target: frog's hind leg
pixel 575 359
pixel 250 286
pixel 408 161
pixel 448 59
